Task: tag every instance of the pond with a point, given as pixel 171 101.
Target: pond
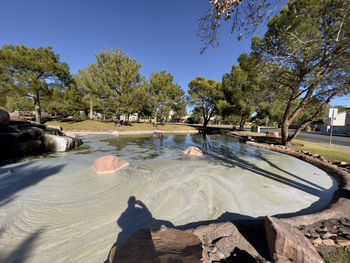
pixel 56 209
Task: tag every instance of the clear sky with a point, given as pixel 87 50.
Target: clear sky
pixel 161 34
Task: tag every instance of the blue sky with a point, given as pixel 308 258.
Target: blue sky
pixel 161 34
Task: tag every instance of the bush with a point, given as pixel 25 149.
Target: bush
pixel 308 129
pixel 340 256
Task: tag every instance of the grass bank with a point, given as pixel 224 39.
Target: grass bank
pixel 104 125
pixel 331 153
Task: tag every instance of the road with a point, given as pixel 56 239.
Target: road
pixel 337 139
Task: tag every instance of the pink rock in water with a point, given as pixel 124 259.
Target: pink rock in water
pixel 193 151
pixel 108 164
pixel 4 117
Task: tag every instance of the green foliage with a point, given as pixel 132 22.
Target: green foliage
pixel 309 44
pixel 121 75
pixel 204 94
pixel 242 89
pixel 164 95
pixel 342 255
pixel 32 72
pixel 16 102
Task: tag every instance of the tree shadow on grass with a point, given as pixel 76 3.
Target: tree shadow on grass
pixel 15 178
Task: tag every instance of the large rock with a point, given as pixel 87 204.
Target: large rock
pixel 55 143
pixel 287 244
pixel 108 164
pixel 161 246
pixel 4 117
pixel 221 240
pixel 193 151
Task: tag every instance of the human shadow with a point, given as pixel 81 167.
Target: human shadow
pixel 22 252
pixel 15 178
pixel 135 217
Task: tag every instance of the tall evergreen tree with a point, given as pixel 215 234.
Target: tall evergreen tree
pixel 32 72
pixel 121 74
pixel 165 94
pixel 205 94
pixel 241 89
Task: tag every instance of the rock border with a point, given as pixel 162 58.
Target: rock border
pixel 136 132
pixel 340 204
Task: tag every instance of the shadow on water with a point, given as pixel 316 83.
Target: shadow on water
pixel 225 157
pixel 22 253
pixel 18 177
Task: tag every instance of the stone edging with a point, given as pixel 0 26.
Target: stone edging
pixel 340 204
pixel 137 132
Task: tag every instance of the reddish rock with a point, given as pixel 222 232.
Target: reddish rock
pixel 108 164
pixel 328 242
pixel 4 117
pixel 329 235
pixel 343 242
pixel 272 134
pixel 162 246
pixel 220 240
pixel 193 151
pixel 287 242
pixel 317 242
pixel 57 127
pixel 14 116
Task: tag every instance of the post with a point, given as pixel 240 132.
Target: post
pixel 330 136
pixel 333 115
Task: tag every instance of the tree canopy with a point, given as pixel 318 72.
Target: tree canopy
pixel 241 89
pixel 244 15
pixel 204 94
pixel 165 95
pixel 308 45
pixel 32 72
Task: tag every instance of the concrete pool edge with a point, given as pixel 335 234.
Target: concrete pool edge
pixel 340 204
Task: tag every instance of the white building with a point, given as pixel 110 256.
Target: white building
pixel 341 124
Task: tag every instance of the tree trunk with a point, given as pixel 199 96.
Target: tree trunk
pixel 138 117
pixel 91 112
pixel 37 108
pixel 242 122
pixel 284 132
pixel 205 123
pixel 155 119
pixel 313 117
pixel 117 113
pixel 162 119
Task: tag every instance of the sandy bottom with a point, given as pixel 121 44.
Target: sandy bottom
pixel 56 209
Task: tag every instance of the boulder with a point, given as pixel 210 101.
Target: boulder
pixel 285 243
pixel 4 117
pixel 161 246
pixel 14 116
pixel 193 151
pixel 220 240
pixel 272 134
pixel 55 127
pixel 108 164
pixel 55 143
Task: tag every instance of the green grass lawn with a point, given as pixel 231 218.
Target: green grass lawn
pixel 330 153
pixel 104 125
